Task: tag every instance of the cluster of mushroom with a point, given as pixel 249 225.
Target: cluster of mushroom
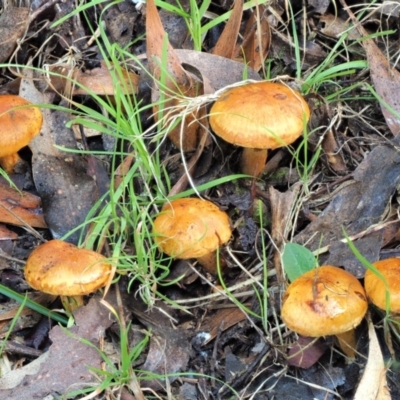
pixel 257 116
pixel 330 301
pixel 185 228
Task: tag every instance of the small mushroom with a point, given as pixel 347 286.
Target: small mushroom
pixel 62 269
pixel 325 301
pixel 259 116
pixel 192 228
pixel 19 123
pixel 375 286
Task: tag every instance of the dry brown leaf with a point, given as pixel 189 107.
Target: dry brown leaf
pixel 221 320
pixel 386 79
pixel 281 207
pixel 6 234
pixel 177 81
pixel 373 384
pixel 320 6
pixel 335 158
pixel 215 68
pixel 333 26
pixel 20 208
pixel 226 44
pixel 257 39
pixel 61 179
pixel 69 358
pixel 306 351
pixel 99 80
pixel 13 24
pixel 358 204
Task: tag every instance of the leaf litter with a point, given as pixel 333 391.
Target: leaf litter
pixel 352 187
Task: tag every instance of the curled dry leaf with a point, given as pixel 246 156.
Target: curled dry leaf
pixel 226 44
pixel 282 205
pixel 386 79
pixel 178 82
pixel 373 384
pixel 98 80
pixel 375 179
pixel 68 358
pixel 334 157
pixel 214 68
pixel 13 24
pixel 256 40
pixel 20 208
pixel 333 26
pixel 61 179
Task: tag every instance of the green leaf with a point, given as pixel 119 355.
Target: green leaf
pixel 297 260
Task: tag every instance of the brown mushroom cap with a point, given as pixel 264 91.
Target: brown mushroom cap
pixel 324 301
pixel 262 115
pixel 375 288
pixel 62 269
pixel 18 126
pixel 191 228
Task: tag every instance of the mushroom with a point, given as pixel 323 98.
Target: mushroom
pixel 325 301
pixel 62 269
pixel 192 228
pixel 259 116
pixel 375 287
pixel 20 121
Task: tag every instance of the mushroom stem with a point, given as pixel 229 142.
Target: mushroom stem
pixel 9 162
pixel 209 262
pixel 347 342
pixel 71 303
pixel 253 161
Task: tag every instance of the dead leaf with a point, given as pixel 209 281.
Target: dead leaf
pixel 120 22
pixel 14 378
pixel 178 82
pixel 68 358
pixel 373 384
pixel 168 352
pixel 386 79
pixel 333 26
pixel 61 179
pixel 221 319
pixel 257 39
pixel 358 204
pixel 215 68
pixel 6 234
pixel 369 246
pixel 281 206
pixel 99 80
pixel 334 157
pixel 20 208
pixel 283 48
pixel 226 43
pixel 320 6
pixel 13 23
pixel 306 352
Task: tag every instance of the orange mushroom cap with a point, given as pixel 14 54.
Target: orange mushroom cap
pixel 18 125
pixel 375 287
pixel 262 115
pixel 62 269
pixel 191 228
pixel 324 301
